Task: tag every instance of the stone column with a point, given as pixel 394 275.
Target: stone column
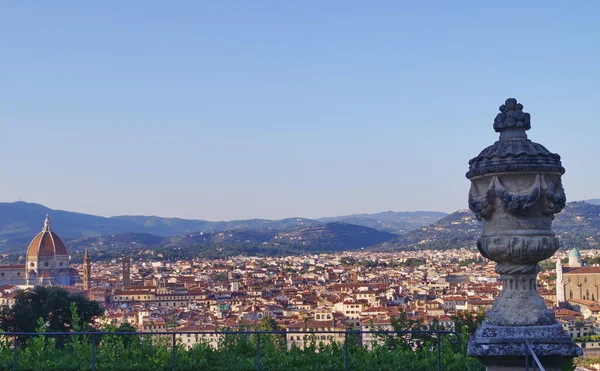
pixel 516 189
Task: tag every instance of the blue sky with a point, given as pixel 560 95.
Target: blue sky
pixel 225 110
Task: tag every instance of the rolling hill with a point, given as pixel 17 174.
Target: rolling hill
pixel 577 225
pixel 331 237
pixel 398 222
pixel 21 221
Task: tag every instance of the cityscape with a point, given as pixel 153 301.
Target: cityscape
pixel 324 186
pixel 361 290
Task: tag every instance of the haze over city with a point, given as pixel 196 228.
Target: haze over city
pixel 275 109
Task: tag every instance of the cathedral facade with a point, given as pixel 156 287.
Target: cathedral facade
pixel 576 281
pixel 46 263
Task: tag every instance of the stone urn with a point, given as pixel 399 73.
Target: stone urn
pixel 515 190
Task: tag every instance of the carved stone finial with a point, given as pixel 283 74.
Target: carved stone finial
pixel 516 189
pixel 511 116
pixel 513 152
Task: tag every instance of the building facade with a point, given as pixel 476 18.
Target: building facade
pixel 46 263
pixel 576 282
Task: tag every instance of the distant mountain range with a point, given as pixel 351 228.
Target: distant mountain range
pixel 459 229
pixel 331 237
pixel 390 221
pixel 577 225
pixel 21 221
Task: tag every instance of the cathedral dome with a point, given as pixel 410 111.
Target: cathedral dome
pixel 46 243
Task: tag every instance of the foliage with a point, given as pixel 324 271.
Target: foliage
pixel 588 361
pixel 347 260
pixel 54 305
pixel 547 264
pixel 238 352
pixel 587 338
pixel 467 262
pixel 268 323
pixel 413 262
pixel 591 260
pixel 406 341
pixel 470 320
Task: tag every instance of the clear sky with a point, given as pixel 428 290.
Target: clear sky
pixel 224 110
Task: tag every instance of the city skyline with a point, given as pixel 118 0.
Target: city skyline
pixel 268 110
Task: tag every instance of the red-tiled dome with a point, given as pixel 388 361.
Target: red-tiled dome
pixel 46 243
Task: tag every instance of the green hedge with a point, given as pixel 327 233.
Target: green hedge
pixel 235 352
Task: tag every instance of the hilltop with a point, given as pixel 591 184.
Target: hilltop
pixel 21 221
pixel 577 225
pixel 398 222
pixel 331 237
pixel 459 229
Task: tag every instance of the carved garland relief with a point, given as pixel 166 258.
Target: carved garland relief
pixel 518 203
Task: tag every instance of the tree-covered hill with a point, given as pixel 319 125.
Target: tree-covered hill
pixel 577 225
pixel 398 222
pixel 21 221
pixel 324 238
pixel 459 229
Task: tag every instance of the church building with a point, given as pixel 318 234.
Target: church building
pixel 46 263
pixel 576 281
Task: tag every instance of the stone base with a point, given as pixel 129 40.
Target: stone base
pixel 502 348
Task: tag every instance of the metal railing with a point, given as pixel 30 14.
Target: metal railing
pixel 453 337
pixel 529 352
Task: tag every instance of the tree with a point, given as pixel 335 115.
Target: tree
pixel 407 340
pixel 128 339
pixel 413 262
pixel 53 306
pixel 268 323
pixel 347 260
pixel 468 319
pixel 126 327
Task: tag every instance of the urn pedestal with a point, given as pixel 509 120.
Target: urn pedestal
pixel 515 190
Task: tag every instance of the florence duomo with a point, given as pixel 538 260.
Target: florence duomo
pixel 46 263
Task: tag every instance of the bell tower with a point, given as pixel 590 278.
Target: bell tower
pixel 126 266
pixel 87 271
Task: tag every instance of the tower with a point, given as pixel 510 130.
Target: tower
pixel 87 271
pixel 575 258
pixel 560 289
pixel 162 284
pixel 126 265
